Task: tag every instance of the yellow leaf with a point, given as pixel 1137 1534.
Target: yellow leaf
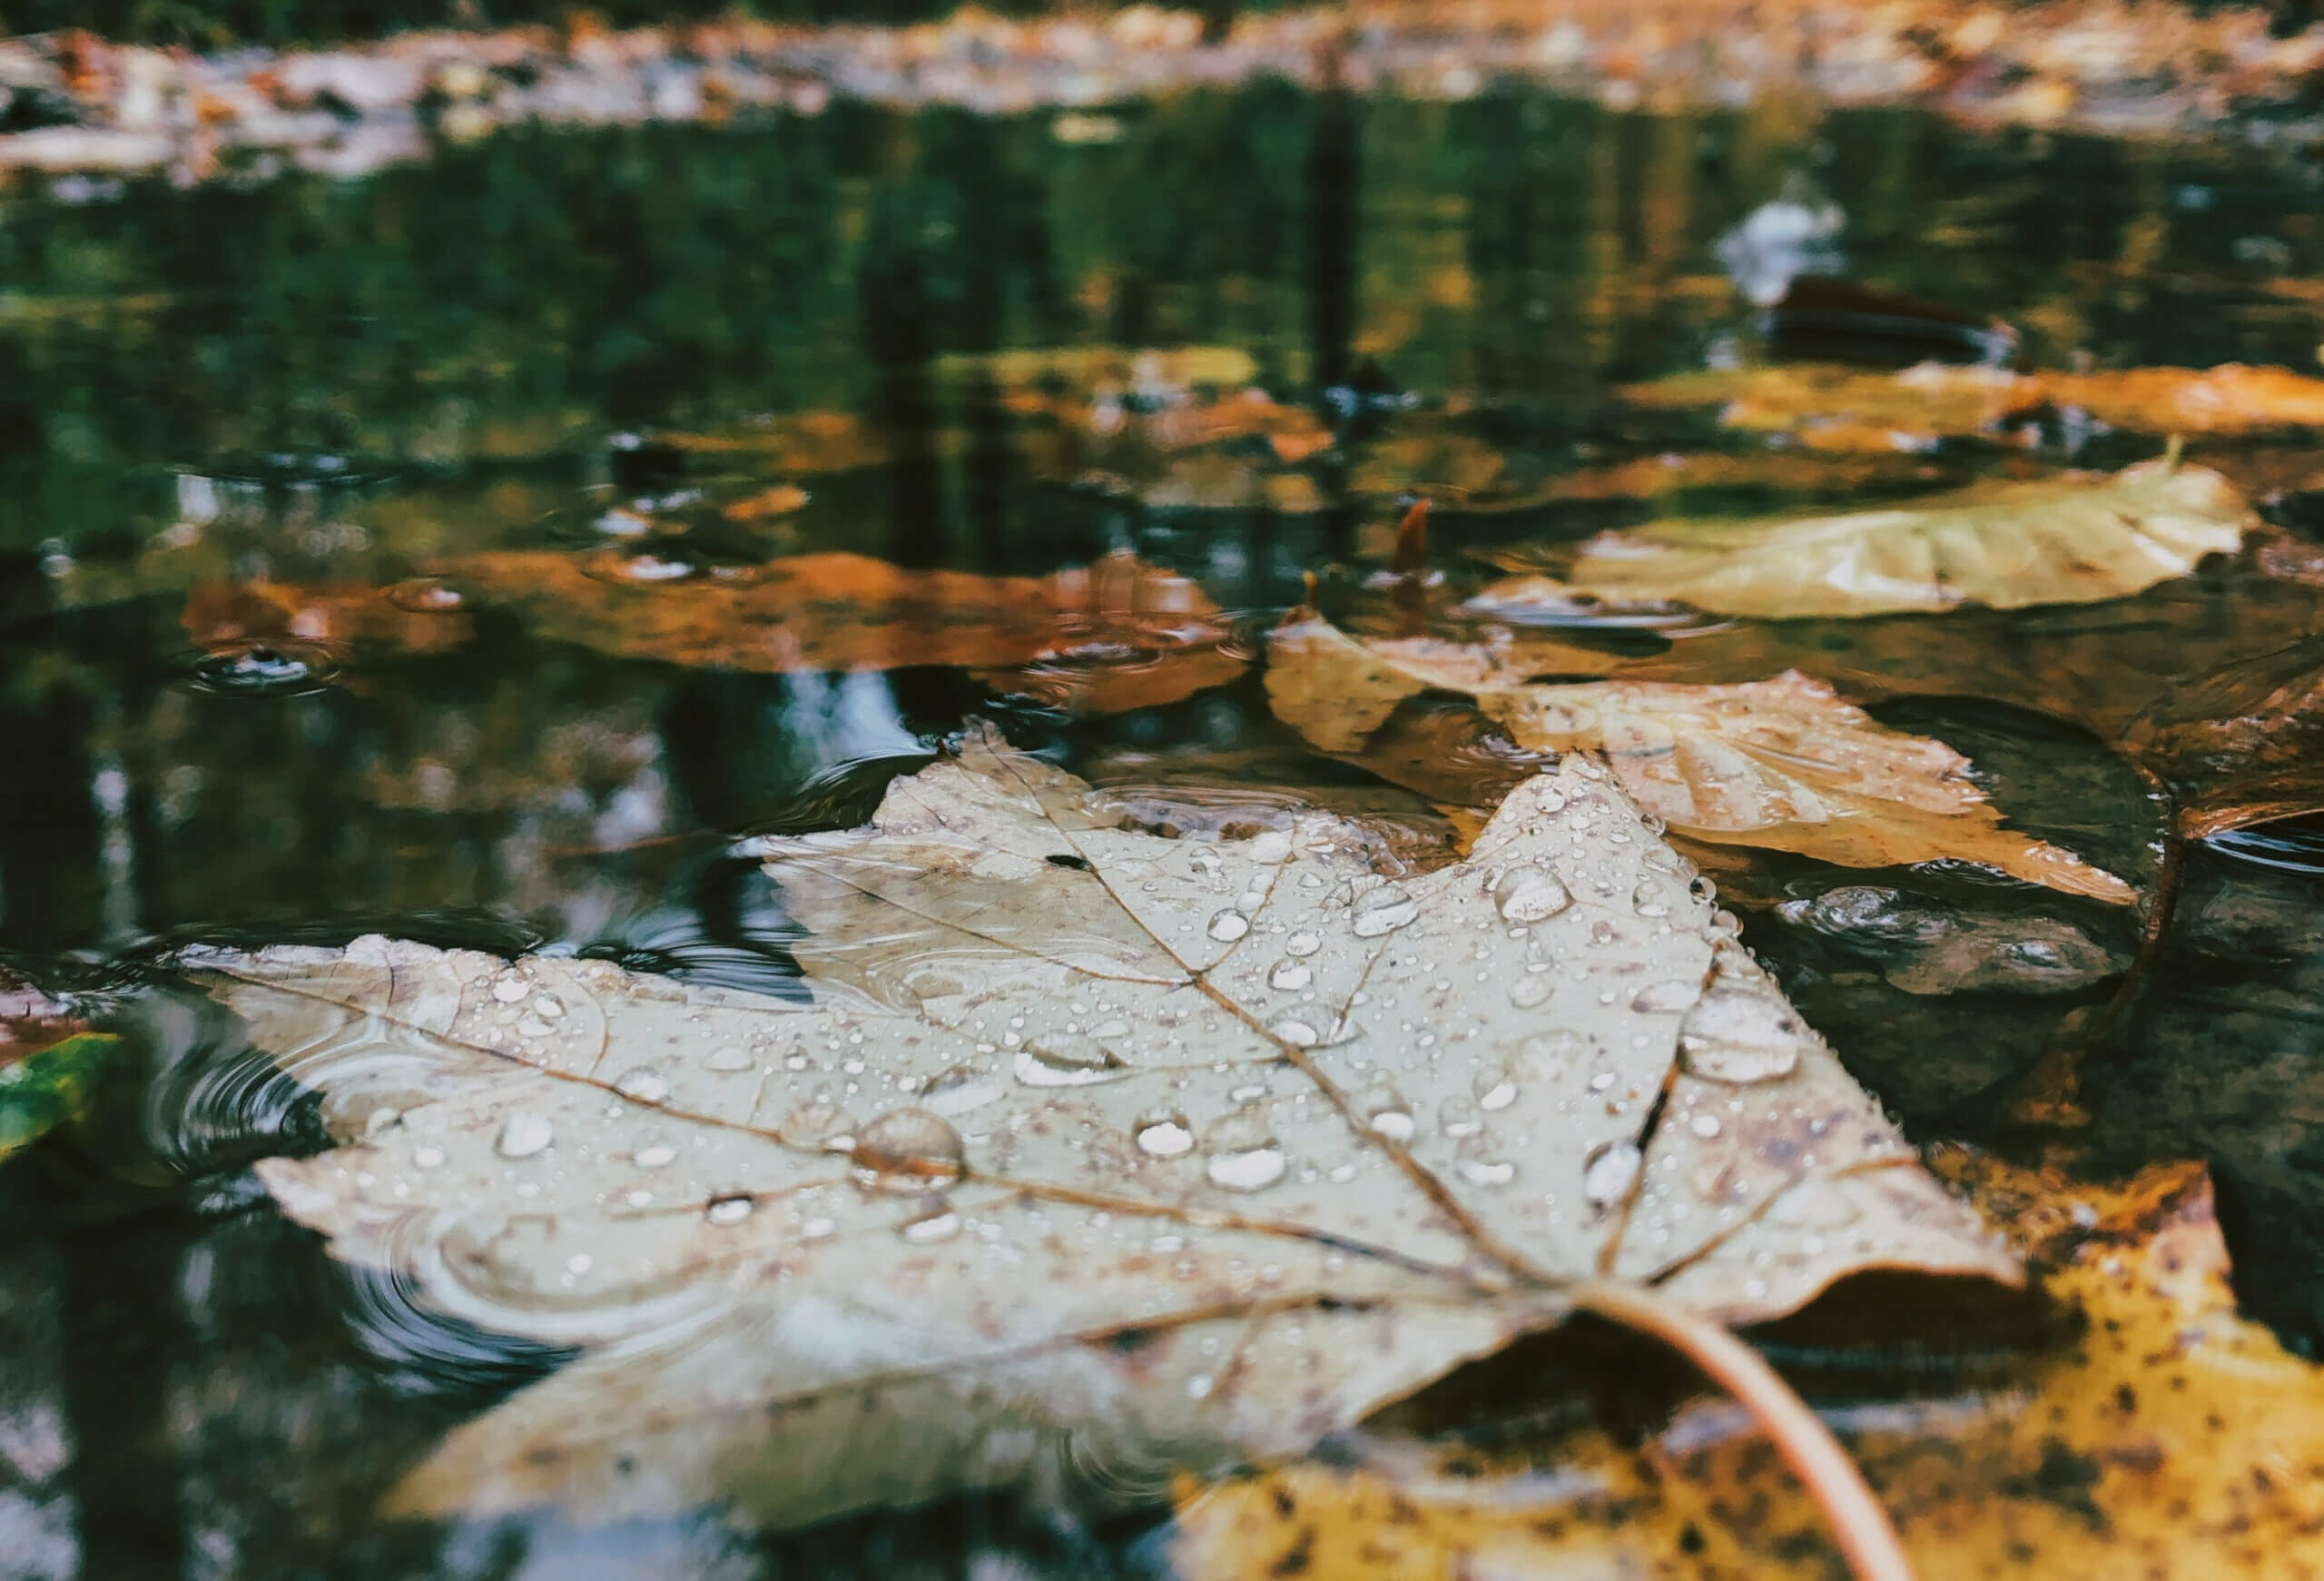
pixel 2006 546
pixel 1834 407
pixel 2165 1438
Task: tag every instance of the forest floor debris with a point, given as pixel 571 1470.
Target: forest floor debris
pixel 91 111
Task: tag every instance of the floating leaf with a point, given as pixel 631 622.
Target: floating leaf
pixel 1836 408
pixel 2005 546
pixel 48 1060
pixel 1781 763
pixel 2228 399
pixel 45 1088
pixel 2098 664
pixel 1840 408
pixel 1091 1150
pixel 2167 1438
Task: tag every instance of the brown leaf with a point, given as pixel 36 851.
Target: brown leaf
pixel 2241 745
pixel 2097 665
pixel 1835 407
pixel 1781 763
pixel 2005 546
pixel 2231 398
pixel 1083 1147
pixel 2166 1438
pixel 422 615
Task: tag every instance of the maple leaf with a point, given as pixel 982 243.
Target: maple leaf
pixel 1088 1151
pixel 1782 763
pixel 2005 546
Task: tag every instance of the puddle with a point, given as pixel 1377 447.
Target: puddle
pixel 422 554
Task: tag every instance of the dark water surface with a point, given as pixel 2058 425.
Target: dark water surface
pixel 307 383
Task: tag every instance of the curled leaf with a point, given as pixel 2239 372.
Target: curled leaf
pixel 1781 763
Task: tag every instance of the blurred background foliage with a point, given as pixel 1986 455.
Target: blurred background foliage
pixel 513 298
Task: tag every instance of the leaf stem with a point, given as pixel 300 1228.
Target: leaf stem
pixel 1858 1523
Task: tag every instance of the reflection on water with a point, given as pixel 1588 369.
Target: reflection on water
pixel 253 701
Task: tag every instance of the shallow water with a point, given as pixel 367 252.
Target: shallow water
pixel 319 385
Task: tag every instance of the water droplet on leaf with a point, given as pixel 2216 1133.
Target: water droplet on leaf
pixel 1163 1133
pixel 908 1149
pixel 1530 895
pixel 1609 1172
pixel 1384 911
pixel 1244 1155
pixel 523 1135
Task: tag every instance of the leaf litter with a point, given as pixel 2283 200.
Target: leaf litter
pixel 1089 1155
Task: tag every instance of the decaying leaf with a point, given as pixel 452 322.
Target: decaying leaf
pixel 2006 546
pixel 48 1058
pixel 1091 1154
pixel 1781 763
pixel 2166 1437
pixel 2242 744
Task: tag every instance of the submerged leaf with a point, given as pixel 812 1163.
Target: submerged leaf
pixel 2165 1438
pixel 2005 546
pixel 1114 635
pixel 1781 763
pixel 1094 1154
pixel 2242 744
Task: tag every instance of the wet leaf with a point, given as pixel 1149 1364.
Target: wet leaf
pixel 2231 398
pixel 2098 664
pixel 1782 763
pixel 1091 1155
pixel 425 615
pixel 1116 634
pixel 2006 546
pixel 2241 745
pixel 45 1088
pixel 48 1060
pixel 2166 1437
pixel 1835 407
